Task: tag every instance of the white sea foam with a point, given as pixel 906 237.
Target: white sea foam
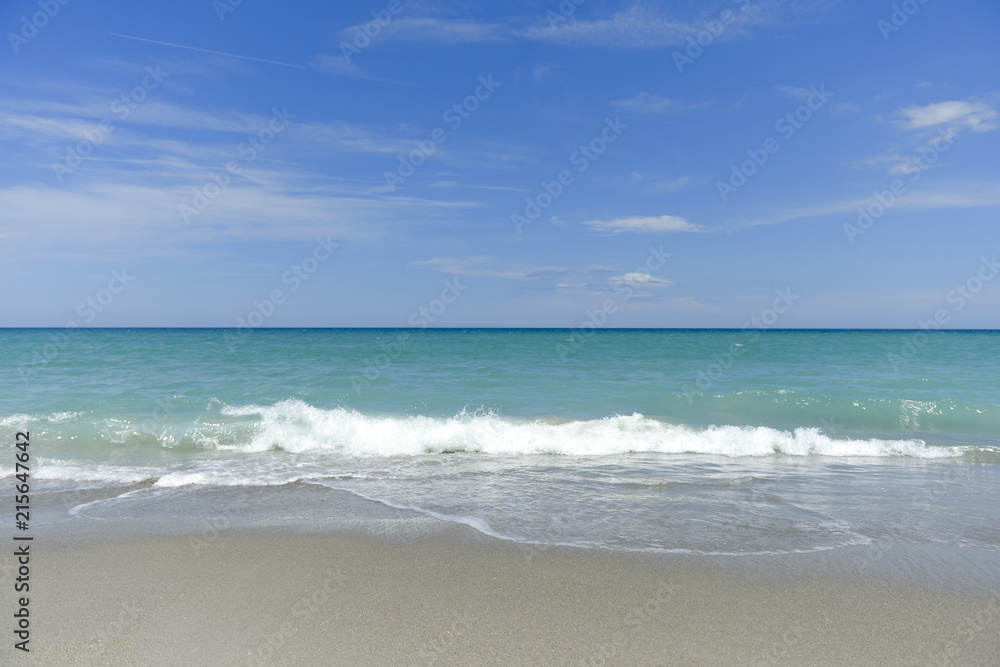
pixel 221 478
pixel 18 420
pixel 61 417
pixel 81 472
pixel 295 426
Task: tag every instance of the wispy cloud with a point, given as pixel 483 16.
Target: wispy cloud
pixel 642 27
pixel 482 265
pixel 58 122
pixel 637 27
pixel 541 73
pixel 925 124
pixel 341 66
pixel 646 103
pixel 957 196
pixel 795 92
pixel 643 279
pixel 141 220
pixel 672 185
pixel 846 107
pixel 644 225
pixel 977 116
pixel 441 31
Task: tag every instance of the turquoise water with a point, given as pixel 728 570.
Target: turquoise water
pixel 719 441
pixel 947 393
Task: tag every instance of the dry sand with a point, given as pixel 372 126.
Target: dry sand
pixel 444 600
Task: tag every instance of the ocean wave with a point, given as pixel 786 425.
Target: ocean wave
pixel 82 472
pixel 295 426
pixel 16 421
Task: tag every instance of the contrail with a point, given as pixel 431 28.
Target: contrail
pixel 195 48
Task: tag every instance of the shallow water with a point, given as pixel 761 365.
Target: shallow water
pixel 700 442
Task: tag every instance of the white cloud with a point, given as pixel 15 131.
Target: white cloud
pixel 635 28
pixel 325 62
pixel 958 196
pixel 929 122
pixel 647 103
pixel 542 72
pixel 643 279
pixel 977 116
pixel 672 185
pixel 337 65
pixel 146 219
pixel 647 225
pixel 37 128
pixel 474 266
pixel 638 27
pixel 908 166
pixel 149 112
pixel 482 265
pixel 846 107
pixel 441 31
pixel 795 92
pixel 350 136
pixel 643 27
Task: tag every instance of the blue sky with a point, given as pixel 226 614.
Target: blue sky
pixel 231 159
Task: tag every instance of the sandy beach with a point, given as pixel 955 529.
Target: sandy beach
pixel 265 598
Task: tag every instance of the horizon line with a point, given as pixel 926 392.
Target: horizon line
pixel 480 328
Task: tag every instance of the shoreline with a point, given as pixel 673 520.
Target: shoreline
pixel 264 597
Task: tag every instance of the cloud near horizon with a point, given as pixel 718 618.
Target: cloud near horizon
pixel 644 225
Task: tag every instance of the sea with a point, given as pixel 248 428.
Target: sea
pixel 727 444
